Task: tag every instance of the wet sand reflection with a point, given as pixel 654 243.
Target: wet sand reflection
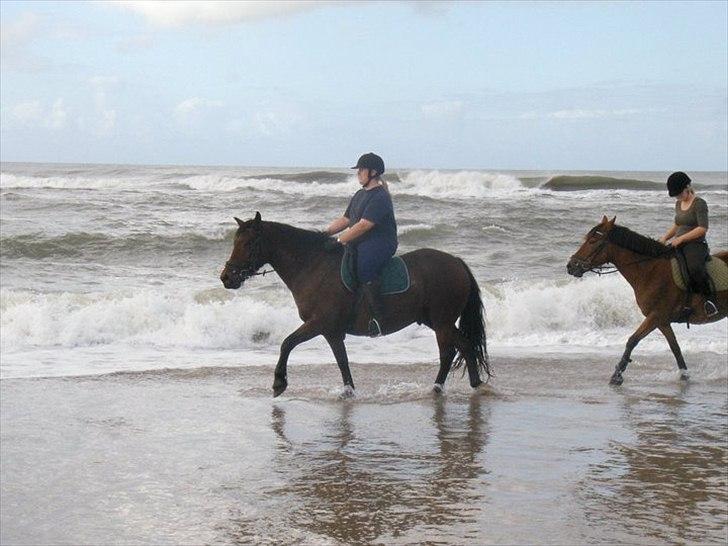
pixel 355 487
pixel 671 483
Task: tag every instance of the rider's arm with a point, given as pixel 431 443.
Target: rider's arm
pixel 337 225
pixel 695 233
pixel 669 234
pixel 357 230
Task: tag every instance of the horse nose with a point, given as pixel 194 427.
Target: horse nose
pixel 224 277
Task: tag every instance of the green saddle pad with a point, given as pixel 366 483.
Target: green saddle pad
pixel 716 268
pixel 395 276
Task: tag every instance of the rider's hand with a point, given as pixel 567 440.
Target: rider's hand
pixel 332 244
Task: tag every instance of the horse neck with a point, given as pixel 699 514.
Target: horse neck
pixel 289 260
pixel 633 266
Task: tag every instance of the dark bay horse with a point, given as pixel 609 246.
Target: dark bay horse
pixel 442 290
pixel 645 264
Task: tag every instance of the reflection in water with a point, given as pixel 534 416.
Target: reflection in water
pixel 366 486
pixel 671 483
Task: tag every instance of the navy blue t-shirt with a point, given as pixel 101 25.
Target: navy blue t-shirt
pixel 376 206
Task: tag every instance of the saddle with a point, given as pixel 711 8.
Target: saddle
pixel 394 277
pixel 716 268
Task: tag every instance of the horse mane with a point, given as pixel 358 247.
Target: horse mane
pixel 626 238
pixel 304 239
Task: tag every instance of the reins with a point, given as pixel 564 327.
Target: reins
pixel 600 269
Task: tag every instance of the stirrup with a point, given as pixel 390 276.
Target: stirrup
pixel 710 308
pixel 374 329
pixel 685 313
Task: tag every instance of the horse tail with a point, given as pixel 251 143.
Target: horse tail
pixel 472 327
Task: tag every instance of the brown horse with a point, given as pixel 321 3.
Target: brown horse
pixel 442 289
pixel 645 264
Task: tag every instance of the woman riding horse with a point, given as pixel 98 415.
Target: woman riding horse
pixel 688 232
pixel 443 295
pixel 372 232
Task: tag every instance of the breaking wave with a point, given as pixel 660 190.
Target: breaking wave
pixel 563 316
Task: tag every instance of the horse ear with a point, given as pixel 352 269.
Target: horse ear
pixel 256 220
pixel 611 222
pixel 239 221
pixel 604 219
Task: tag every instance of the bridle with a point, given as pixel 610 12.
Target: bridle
pixel 249 269
pixel 585 263
pixel 605 269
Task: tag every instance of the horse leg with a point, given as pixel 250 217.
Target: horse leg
pixel 649 324
pixel 336 342
pixel 447 354
pixel 305 332
pixel 667 331
pixel 463 345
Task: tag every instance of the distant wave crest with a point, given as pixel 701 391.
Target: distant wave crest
pixel 591 182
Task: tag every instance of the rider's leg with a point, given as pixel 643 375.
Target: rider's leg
pixel 370 261
pixel 696 253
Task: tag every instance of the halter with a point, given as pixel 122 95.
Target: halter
pixel 245 271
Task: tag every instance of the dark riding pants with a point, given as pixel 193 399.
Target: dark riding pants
pixel 696 253
pixel 371 257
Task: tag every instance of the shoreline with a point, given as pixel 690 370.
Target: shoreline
pixel 208 456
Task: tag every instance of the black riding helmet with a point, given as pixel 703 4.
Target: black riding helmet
pixel 371 161
pixel 677 182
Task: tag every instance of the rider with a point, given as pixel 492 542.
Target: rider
pixel 372 232
pixel 688 233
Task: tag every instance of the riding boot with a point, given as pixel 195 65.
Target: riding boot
pixel 709 295
pixel 371 293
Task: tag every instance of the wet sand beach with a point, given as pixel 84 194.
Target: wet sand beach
pixel 548 453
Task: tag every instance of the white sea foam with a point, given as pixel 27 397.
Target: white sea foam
pixel 457 185
pixel 436 184
pixel 412 228
pixel 593 315
pixel 581 315
pixel 9 180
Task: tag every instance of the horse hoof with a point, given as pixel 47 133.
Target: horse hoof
pixel 476 384
pixel 616 379
pixel 348 392
pixel 684 376
pixel 438 388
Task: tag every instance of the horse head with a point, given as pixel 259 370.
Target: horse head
pixel 246 257
pixel 593 252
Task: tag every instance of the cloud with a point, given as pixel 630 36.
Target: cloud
pixel 106 117
pixel 16 38
pixel 277 122
pixel 188 110
pixel 34 114
pixel 58 116
pixel 580 113
pixel 133 43
pixel 28 112
pixel 442 109
pixel 214 12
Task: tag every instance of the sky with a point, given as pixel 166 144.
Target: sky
pixel 446 85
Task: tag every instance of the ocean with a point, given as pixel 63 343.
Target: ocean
pixel 135 391
pixel 115 268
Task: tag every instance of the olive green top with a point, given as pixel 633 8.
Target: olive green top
pixel 696 215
